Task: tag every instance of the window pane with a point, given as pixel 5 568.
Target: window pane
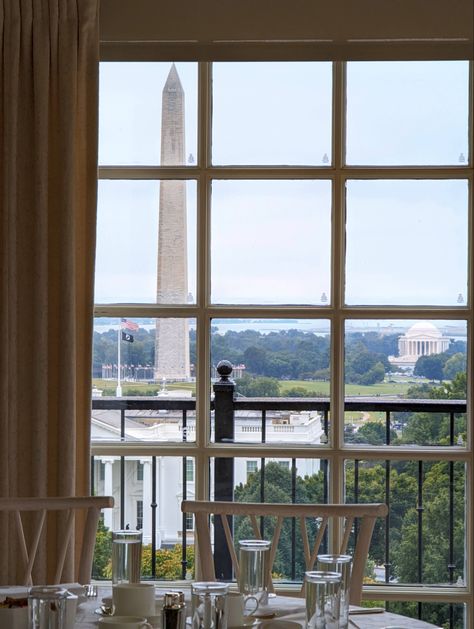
pixel 407 112
pixel 134 262
pixel 163 478
pixel 157 360
pixel 270 242
pixel 437 614
pixel 303 481
pixel 406 242
pixel 274 358
pixel 438 487
pixel 272 113
pixel 411 376
pixel 133 121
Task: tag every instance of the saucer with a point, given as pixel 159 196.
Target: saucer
pixel 247 621
pixel 280 623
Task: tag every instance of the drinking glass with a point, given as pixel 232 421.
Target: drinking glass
pixel 254 568
pixel 126 556
pixel 47 607
pixel 209 605
pixel 322 591
pixel 343 565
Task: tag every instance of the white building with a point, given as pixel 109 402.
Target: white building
pixel 422 339
pixel 166 426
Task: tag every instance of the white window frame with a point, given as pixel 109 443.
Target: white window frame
pixel 203 311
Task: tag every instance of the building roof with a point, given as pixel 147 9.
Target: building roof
pixel 423 328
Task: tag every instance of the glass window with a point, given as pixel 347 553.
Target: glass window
pixel 273 260
pixel 315 233
pixel 407 112
pixel 190 470
pixel 141 257
pixel 254 119
pixel 252 467
pixel 420 219
pixel 139 515
pixel 136 101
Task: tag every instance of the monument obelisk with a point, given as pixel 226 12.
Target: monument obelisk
pixel 172 334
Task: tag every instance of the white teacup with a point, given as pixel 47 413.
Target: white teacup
pixel 238 607
pixel 134 599
pixel 125 622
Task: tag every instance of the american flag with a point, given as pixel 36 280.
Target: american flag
pixel 126 324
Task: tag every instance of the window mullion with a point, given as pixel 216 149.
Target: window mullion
pixel 203 283
pixel 336 482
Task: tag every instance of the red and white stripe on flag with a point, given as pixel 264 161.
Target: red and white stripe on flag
pixel 129 325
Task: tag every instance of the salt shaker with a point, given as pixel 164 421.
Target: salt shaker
pixel 174 611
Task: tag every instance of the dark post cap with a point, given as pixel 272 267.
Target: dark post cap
pixel 224 369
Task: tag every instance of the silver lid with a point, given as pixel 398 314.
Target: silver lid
pixel 174 600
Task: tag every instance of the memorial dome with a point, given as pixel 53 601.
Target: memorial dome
pixel 423 328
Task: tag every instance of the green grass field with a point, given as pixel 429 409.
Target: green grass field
pixel 315 387
pixel 322 387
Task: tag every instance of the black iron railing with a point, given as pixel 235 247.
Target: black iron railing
pixel 227 407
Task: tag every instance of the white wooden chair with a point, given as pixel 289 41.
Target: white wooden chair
pixel 366 514
pixel 89 505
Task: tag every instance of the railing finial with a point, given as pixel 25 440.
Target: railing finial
pixel 224 369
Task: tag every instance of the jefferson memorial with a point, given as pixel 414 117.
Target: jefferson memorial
pixel 422 339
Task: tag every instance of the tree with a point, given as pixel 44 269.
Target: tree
pixel 374 433
pixel 255 359
pixel 168 562
pixel 278 488
pixel 434 529
pixel 102 552
pixel 298 392
pixel 371 488
pixel 363 366
pixel 430 366
pixel 454 365
pixel 257 387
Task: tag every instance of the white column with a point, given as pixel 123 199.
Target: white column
pixel 108 490
pixel 147 482
pixel 160 499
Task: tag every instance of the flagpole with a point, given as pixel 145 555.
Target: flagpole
pixel 118 391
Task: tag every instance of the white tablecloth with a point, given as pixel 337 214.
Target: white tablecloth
pixel 287 609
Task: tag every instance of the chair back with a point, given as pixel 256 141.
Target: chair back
pixel 90 506
pixel 365 514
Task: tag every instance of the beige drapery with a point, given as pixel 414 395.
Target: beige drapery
pixel 48 171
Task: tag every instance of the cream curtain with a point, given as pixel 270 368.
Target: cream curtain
pixel 48 170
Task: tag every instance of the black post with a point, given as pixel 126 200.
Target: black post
pixel 223 467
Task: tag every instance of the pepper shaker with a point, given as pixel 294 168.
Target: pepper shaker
pixel 174 611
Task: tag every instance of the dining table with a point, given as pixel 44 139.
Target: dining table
pixel 287 613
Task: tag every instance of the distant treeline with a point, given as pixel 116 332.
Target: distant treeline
pixel 284 355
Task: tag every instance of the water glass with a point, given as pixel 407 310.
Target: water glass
pixel 254 568
pixel 343 565
pixel 209 605
pixel 126 556
pixel 322 592
pixel 47 607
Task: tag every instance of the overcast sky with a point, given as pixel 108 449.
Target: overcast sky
pixel 406 240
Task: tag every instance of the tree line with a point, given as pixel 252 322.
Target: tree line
pixel 287 355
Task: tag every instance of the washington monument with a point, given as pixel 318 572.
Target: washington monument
pixel 172 335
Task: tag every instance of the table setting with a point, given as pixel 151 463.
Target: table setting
pixel 130 603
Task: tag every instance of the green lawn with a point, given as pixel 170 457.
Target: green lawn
pixel 315 387
pixel 139 388
pixel 320 387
